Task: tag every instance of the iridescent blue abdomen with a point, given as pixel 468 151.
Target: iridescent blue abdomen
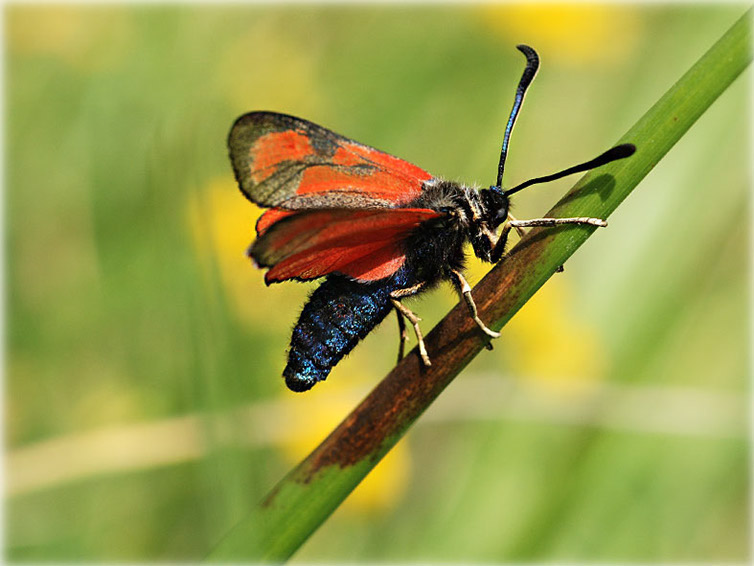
pixel 338 314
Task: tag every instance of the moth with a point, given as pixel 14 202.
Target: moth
pixel 376 227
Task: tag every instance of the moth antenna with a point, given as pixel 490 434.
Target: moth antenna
pixel 618 152
pixel 532 64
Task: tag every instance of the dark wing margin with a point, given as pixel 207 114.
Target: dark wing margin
pixel 291 163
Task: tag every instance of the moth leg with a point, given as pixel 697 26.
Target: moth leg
pixel 499 249
pixel 519 225
pixel 519 229
pixel 521 234
pixel 584 220
pixel 397 294
pixel 414 320
pixel 464 289
pixel 403 338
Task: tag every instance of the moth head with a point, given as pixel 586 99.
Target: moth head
pixel 496 205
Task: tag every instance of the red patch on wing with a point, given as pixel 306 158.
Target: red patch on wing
pixel 376 183
pixel 363 244
pixel 367 262
pixel 269 150
pixel 388 163
pixel 270 217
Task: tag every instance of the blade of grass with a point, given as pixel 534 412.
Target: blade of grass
pixel 305 497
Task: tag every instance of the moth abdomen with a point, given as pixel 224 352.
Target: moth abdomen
pixel 339 313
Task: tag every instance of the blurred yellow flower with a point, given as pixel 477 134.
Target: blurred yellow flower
pixel 570 33
pixel 85 37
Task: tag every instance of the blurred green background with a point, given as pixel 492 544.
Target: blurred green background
pixel 145 413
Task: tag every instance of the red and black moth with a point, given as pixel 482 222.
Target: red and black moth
pixel 378 228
